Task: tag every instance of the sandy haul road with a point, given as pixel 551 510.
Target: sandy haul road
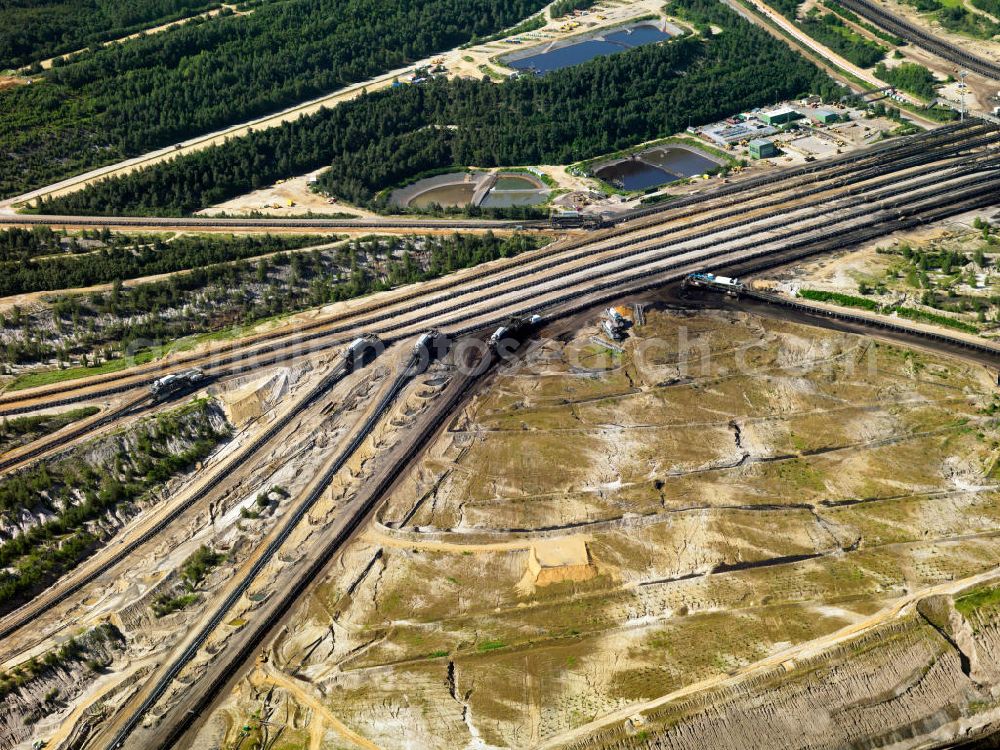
pixel 787 656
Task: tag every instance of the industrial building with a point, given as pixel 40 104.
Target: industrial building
pixel 781 116
pixel 726 133
pixel 761 148
pixel 824 116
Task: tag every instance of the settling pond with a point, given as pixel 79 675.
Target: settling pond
pixel 476 188
pixel 655 166
pixel 555 56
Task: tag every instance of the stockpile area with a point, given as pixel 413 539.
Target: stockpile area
pixel 597 529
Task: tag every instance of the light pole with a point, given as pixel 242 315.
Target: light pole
pixel 961 91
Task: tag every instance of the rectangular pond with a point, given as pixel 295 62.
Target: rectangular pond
pixel 557 57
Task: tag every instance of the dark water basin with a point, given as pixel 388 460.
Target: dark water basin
pixel 634 174
pixel 654 167
pixel 581 52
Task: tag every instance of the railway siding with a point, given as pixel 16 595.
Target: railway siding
pixel 906 30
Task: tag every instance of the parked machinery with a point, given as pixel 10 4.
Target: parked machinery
pixel 499 335
pixel 175 383
pixel 430 345
pixel 362 350
pixel 513 328
pixel 573 219
pixel 731 286
pixel 615 324
pixel 427 342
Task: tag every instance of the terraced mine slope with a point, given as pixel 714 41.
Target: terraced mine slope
pixel 704 511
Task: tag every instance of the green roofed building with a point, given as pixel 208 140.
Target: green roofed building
pixel 760 148
pixel 781 116
pixel 825 116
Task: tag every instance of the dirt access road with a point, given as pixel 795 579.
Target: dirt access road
pixel 801 651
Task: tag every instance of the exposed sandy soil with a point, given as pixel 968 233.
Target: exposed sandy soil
pixel 878 272
pixel 46 64
pixel 776 486
pixel 275 200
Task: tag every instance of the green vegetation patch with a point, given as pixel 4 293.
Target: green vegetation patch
pixel 157 90
pixel 35 260
pixel 853 17
pixel 199 565
pixel 74 491
pixel 989 6
pixel 490 646
pixel 531 24
pixel 33 30
pixel 847 300
pixel 18 431
pixel 910 77
pixel 100 332
pixel 954 16
pixel 562 8
pixel 979 598
pixel 164 605
pixel 76 649
pixel 934 318
pixel 831 31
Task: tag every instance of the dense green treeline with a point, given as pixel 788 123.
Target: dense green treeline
pixel 21 244
pixel 561 8
pixel 910 77
pixel 88 328
pixel 132 256
pixel 151 92
pixel 32 30
pixel 75 493
pixel 832 32
pixel 386 137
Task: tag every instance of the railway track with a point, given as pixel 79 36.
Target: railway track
pixel 58 594
pixel 628 268
pixel 912 33
pixel 908 212
pixel 639 259
pixel 880 183
pixel 263 225
pixel 904 155
pixel 45 445
pixel 884 323
pixel 268 553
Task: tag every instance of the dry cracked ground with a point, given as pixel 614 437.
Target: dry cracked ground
pixel 706 540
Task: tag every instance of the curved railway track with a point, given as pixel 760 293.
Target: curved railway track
pixel 21 617
pixel 885 323
pixel 621 250
pixel 267 554
pixel 912 33
pixel 901 156
pixel 856 194
pixel 948 180
pixel 175 726
pixel 235 363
